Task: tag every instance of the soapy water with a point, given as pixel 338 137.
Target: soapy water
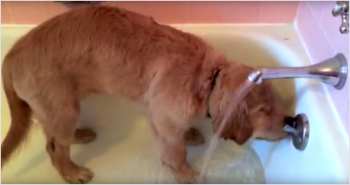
pixel 242 91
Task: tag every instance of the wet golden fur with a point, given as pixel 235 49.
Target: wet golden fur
pixel 124 54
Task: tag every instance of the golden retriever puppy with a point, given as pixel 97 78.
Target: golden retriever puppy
pixel 117 52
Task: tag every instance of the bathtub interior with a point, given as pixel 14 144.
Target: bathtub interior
pixel 124 153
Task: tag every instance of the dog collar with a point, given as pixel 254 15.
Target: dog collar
pixel 213 85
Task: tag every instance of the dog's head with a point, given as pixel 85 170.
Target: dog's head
pixel 259 115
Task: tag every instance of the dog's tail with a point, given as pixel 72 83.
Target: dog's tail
pixel 20 116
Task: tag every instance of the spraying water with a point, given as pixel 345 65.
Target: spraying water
pixel 242 91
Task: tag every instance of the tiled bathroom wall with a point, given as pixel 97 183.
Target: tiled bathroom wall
pixel 320 33
pixel 22 12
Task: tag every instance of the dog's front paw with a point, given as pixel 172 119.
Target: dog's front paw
pixel 193 137
pixel 79 175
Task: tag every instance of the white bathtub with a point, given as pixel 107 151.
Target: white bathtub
pixel 110 157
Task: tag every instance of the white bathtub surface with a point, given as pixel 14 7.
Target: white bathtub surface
pixel 124 153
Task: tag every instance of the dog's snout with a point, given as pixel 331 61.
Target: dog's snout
pixel 288 120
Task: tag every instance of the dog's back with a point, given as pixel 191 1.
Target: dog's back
pixel 103 49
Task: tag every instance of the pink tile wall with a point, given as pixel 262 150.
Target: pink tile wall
pixel 320 33
pixel 35 12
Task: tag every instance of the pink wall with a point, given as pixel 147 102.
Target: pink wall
pixel 320 33
pixel 21 12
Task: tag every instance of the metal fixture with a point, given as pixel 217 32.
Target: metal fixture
pixel 341 8
pixel 333 71
pixel 299 129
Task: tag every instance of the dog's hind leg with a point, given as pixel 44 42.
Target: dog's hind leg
pixel 59 119
pixel 60 158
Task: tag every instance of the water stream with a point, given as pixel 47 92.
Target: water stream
pixel 242 91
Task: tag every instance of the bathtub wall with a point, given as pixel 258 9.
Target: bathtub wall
pixel 320 33
pixel 21 12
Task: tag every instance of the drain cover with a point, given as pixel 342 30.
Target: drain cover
pixel 301 135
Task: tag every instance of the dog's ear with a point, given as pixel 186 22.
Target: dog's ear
pixel 237 126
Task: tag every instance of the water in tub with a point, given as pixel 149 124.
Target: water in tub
pixel 123 151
